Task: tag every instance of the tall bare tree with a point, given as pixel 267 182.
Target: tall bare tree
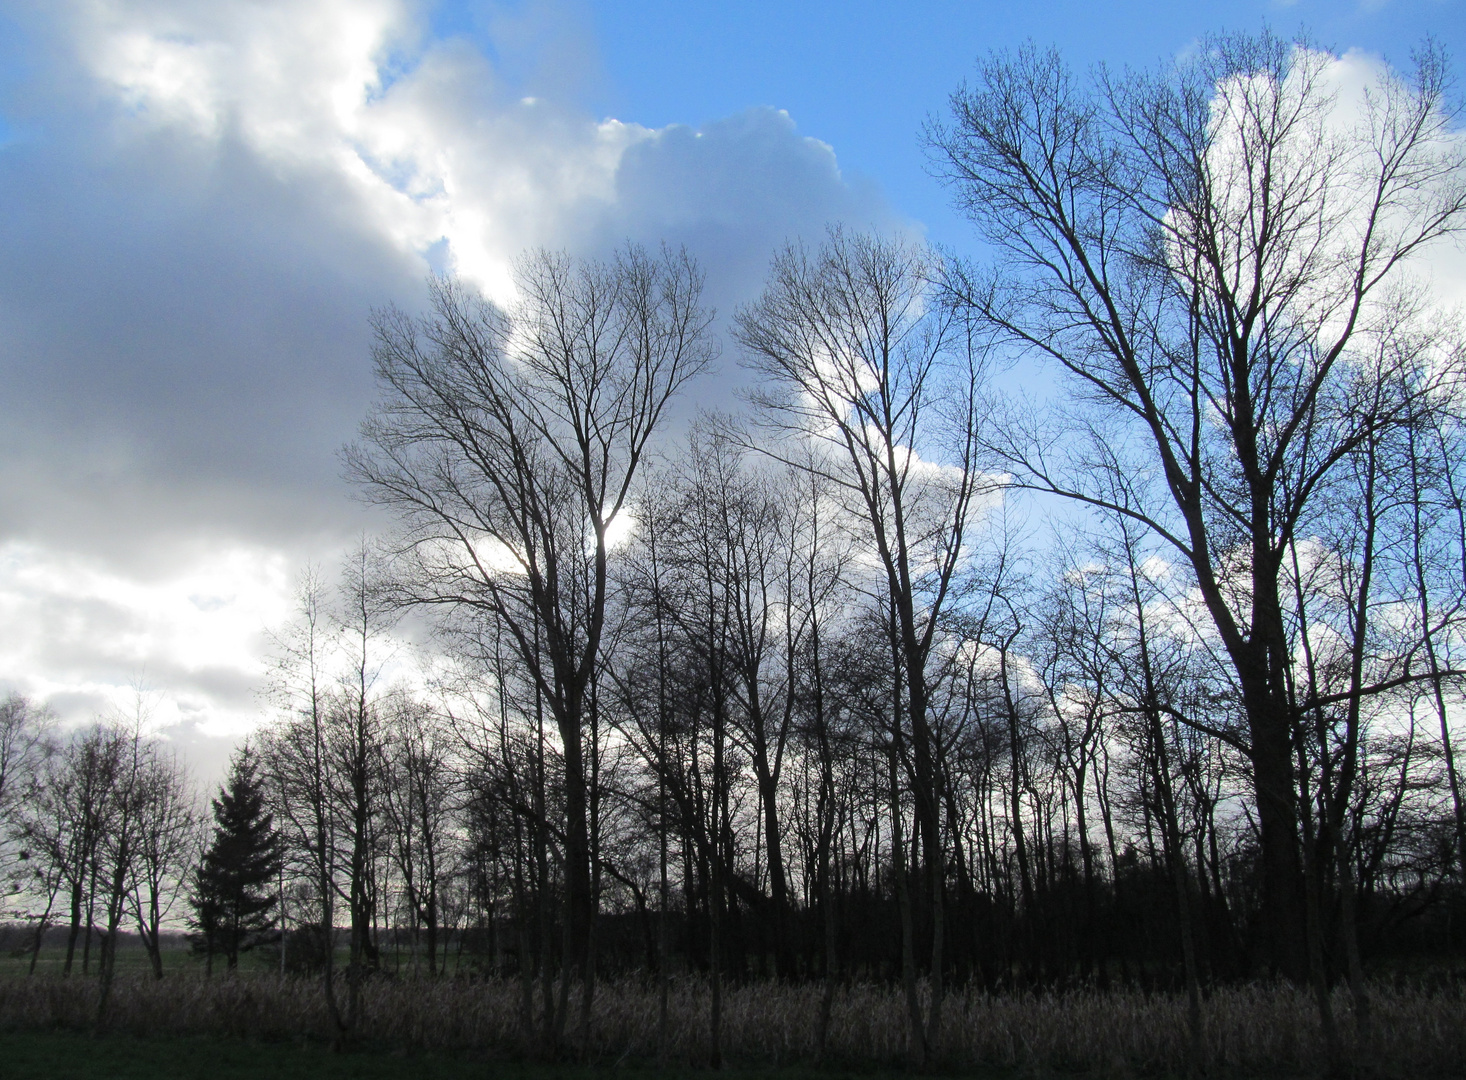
pixel 1214 257
pixel 419 799
pixel 866 361
pixel 298 757
pixel 131 758
pixel 507 442
pixel 357 726
pixel 25 745
pixel 167 845
pixel 80 794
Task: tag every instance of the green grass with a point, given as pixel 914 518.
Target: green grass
pixel 129 961
pixel 66 1055
pixel 132 958
pixel 75 1056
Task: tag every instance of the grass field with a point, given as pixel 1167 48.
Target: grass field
pixel 132 958
pixel 267 1026
pixel 256 1024
pixel 56 1055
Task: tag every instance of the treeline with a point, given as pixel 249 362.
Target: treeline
pixel 99 833
pixel 1143 672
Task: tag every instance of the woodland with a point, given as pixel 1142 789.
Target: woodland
pixel 1054 662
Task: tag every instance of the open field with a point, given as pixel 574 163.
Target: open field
pixel 65 1055
pixel 178 957
pixel 1250 1030
pixel 132 959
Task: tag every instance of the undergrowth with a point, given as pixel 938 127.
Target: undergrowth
pixel 1254 1029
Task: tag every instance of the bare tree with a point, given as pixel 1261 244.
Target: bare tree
pixel 324 760
pixel 865 360
pixel 508 442
pixel 298 758
pixel 1214 257
pixel 74 810
pixel 130 757
pixel 356 740
pixel 168 833
pixel 25 745
pixel 1437 561
pixel 419 799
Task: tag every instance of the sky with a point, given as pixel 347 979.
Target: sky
pixel 201 202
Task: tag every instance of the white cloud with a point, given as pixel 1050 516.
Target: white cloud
pixel 429 151
pixel 430 145
pixel 75 632
pixel 205 201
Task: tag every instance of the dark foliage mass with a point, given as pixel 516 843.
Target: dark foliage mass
pixel 236 883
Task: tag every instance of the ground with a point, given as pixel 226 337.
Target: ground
pixel 66 1055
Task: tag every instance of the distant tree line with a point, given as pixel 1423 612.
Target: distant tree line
pixel 1142 672
pixel 100 829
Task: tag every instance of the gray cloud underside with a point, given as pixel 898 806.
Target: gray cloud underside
pixel 185 325
pixel 195 230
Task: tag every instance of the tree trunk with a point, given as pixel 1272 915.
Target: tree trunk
pixel 41 931
pixel 916 1034
pixel 1277 814
pixel 76 892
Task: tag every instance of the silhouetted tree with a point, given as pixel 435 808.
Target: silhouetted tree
pixel 508 443
pixel 234 893
pixel 1215 260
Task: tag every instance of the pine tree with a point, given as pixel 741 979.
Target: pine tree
pixel 234 894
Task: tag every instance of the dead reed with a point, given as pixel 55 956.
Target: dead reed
pixel 1249 1029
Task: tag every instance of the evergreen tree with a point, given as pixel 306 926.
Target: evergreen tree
pixel 234 895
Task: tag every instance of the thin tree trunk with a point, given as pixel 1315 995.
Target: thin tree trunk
pixel 41 931
pixel 76 891
pixel 715 898
pixel 916 1034
pixel 664 974
pixel 1175 856
pixel 1318 976
pixel 1171 832
pixel 107 959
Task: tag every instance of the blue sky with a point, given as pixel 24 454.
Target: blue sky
pixel 862 76
pixel 203 200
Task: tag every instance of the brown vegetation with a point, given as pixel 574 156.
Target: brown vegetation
pixel 1253 1028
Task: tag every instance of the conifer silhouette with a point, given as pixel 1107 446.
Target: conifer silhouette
pixel 234 895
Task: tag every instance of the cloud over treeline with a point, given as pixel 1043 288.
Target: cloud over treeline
pixel 203 201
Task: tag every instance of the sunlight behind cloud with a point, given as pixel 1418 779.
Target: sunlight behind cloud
pixel 85 637
pixel 431 152
pixel 216 196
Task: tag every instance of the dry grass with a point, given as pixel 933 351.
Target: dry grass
pixel 1250 1029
